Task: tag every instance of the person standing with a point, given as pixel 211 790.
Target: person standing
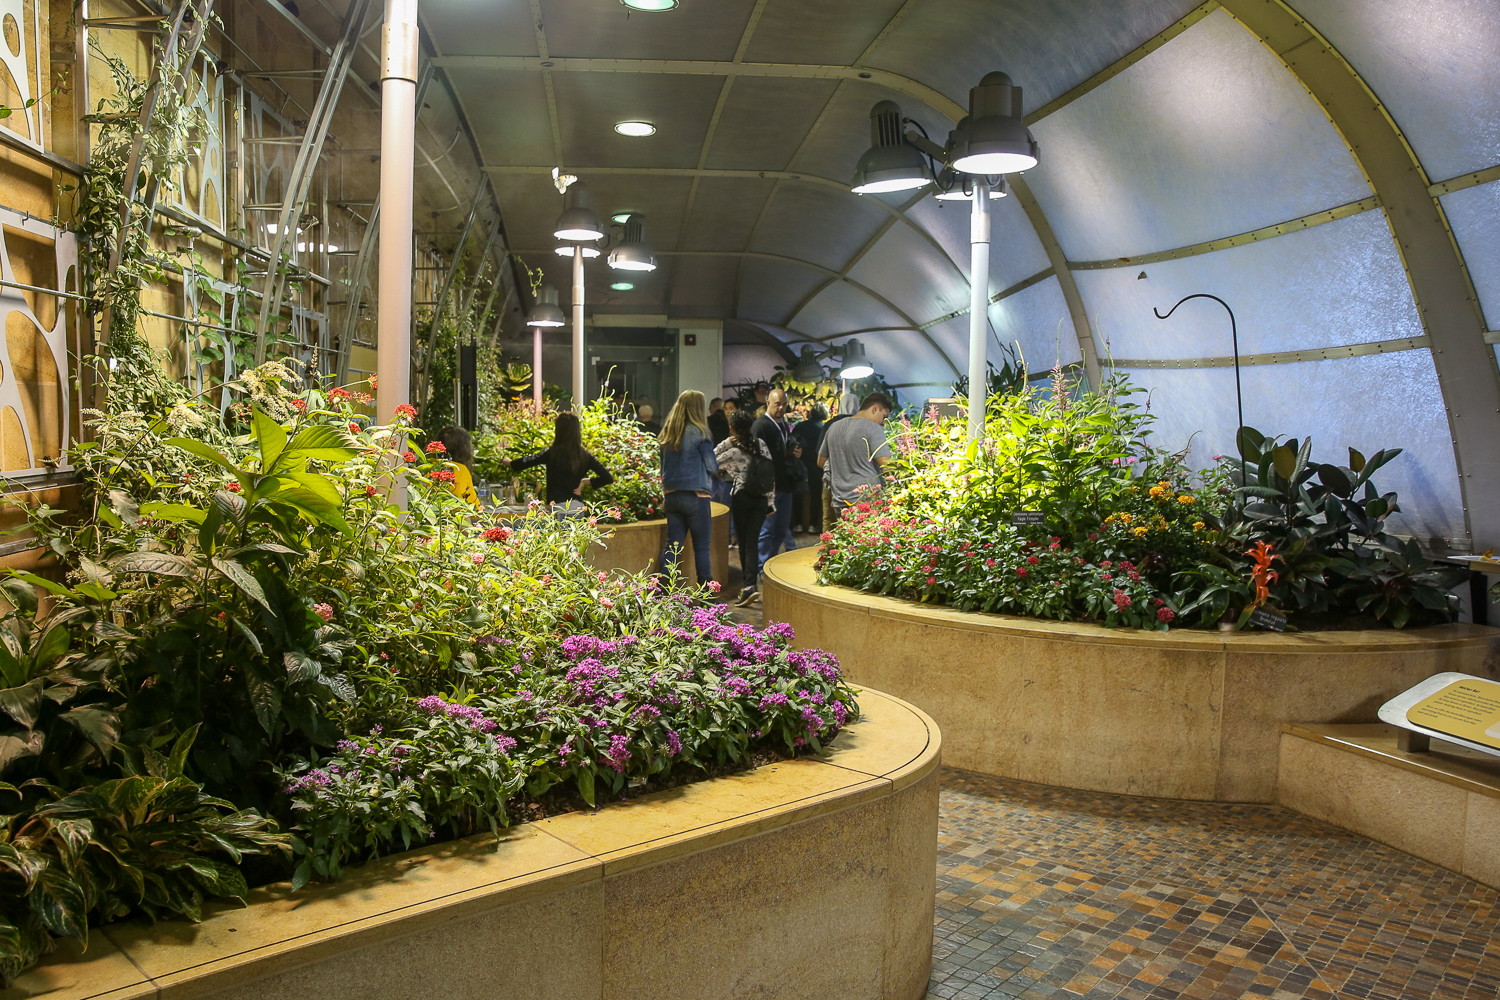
pixel 645 416
pixel 809 435
pixel 855 450
pixel 569 465
pixel 773 430
pixel 687 470
pixel 746 461
pixel 848 407
pixel 458 453
pixel 718 421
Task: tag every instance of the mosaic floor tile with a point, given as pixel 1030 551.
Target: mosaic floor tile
pixel 1047 892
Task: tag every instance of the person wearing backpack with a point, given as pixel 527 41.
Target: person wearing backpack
pixel 746 462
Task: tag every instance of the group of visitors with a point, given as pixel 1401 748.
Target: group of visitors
pixel 760 464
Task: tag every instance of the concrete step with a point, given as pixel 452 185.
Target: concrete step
pixel 1442 806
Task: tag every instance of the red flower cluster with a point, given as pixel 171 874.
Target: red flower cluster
pixel 409 456
pixel 441 475
pixel 233 486
pixel 337 395
pixel 496 534
pixel 436 448
pixel 406 410
pixel 353 427
pixel 300 405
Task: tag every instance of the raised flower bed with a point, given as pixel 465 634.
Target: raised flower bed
pixel 812 877
pixel 1180 714
pixel 636 547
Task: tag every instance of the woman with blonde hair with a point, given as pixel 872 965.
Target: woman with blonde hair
pixel 687 470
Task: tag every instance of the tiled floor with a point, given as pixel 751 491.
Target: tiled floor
pixel 1046 892
pixel 1050 892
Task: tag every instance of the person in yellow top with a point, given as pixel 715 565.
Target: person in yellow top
pixel 460 459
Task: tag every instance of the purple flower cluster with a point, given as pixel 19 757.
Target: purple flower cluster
pixel 434 705
pixel 589 675
pixel 618 754
pixel 505 743
pixel 674 744
pixel 772 700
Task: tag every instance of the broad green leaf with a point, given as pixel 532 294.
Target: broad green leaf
pixel 19 593
pixel 205 451
pixel 100 726
pixel 300 667
pixel 317 484
pixel 58 900
pixel 586 787
pixel 270 436
pixel 314 507
pixel 323 442
pixel 174 512
pixel 265 698
pixel 124 506
pixel 1356 461
pixel 243 579
pixel 1284 460
pixel 12 672
pixel 160 563
pixel 94 591
pixel 231 506
pixel 248 634
pixel 55 643
pixel 23 703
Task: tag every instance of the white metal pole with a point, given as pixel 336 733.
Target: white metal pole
pixel 578 397
pixel 536 368
pixel 398 116
pixel 979 305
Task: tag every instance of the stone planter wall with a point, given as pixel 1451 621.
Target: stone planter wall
pixel 1180 714
pixel 637 548
pixel 808 878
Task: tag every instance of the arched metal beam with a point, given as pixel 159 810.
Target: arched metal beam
pixel 1440 285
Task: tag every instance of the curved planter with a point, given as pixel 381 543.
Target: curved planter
pixel 811 877
pixel 1181 714
pixel 637 548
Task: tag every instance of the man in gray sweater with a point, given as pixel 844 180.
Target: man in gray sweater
pixel 854 451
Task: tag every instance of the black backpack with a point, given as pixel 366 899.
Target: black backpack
pixel 760 476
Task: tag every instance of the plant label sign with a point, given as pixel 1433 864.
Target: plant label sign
pixel 1261 618
pixel 1469 709
pixel 1027 519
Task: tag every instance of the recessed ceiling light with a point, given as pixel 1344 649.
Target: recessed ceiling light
pixel 635 128
pixel 622 286
pixel 621 218
pixel 567 251
pixel 650 4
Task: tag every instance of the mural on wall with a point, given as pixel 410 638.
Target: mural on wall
pixel 21 58
pixel 36 416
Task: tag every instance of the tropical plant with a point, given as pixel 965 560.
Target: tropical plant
pixel 144 842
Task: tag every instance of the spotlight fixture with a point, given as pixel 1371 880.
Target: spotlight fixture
pixel 891 163
pixel 620 217
pixel 566 250
pixel 633 254
pixel 578 221
pixel 994 138
pixel 636 129
pixel 622 286
pixel 855 363
pixel 808 368
pixel 650 5
pixel 546 312
pixel 953 186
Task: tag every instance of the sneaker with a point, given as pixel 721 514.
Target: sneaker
pixel 747 596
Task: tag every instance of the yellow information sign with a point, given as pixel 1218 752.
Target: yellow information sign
pixel 1468 709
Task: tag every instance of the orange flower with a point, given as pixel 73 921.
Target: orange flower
pixel 1262 575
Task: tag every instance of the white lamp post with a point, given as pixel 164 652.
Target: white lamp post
pixel 577 225
pixel 398 117
pixel 979 304
pixel 546 313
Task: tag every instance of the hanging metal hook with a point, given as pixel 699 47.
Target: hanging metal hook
pixel 1234 335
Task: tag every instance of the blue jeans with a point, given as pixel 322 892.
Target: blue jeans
pixel 778 529
pixel 689 514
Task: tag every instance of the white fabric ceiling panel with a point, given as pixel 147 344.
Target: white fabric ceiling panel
pixel 913 274
pixel 818 31
pixel 1434 67
pixel 816 224
pixel 1046 46
pixel 609 30
pixel 699 285
pixel 903 357
pixel 1015 251
pixel 1338 283
pixel 1206 137
pixel 508 112
pixel 952 337
pixel 768 289
pixel 841 307
pixel 500 29
pixel 1332 402
pixel 1474 215
pixel 724 213
pixel 764 119
pixel 589 105
pixel 1037 318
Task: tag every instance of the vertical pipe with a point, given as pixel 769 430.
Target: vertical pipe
pixel 979 305
pixel 398 114
pixel 578 396
pixel 536 368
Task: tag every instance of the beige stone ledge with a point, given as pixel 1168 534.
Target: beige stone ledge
pixel 807 877
pixel 1179 714
pixel 637 548
pixel 1442 806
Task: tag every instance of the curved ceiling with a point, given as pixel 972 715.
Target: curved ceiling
pixel 1225 148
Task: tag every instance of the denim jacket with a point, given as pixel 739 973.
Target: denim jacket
pixel 690 467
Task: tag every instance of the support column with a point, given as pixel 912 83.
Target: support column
pixel 398 116
pixel 979 306
pixel 578 390
pixel 536 368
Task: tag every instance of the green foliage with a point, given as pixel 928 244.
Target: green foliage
pixel 610 433
pixel 1130 537
pixel 144 842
